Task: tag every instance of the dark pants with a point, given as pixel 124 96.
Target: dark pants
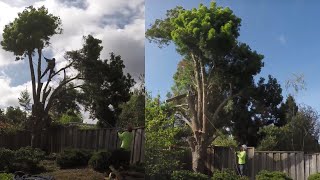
pixel 241 169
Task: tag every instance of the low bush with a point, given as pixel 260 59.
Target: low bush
pixel 27 159
pixel 70 158
pixel 185 174
pixel 227 175
pixel 100 161
pixel 5 176
pixel 119 157
pixel 314 176
pixel 272 175
pixel 6 159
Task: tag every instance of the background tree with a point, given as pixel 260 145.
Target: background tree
pixel 221 67
pixel 104 82
pixel 67 104
pixel 301 133
pixel 25 100
pixel 16 116
pixel 26 37
pixel 133 111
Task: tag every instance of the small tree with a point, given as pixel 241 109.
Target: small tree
pixel 160 136
pixel 25 100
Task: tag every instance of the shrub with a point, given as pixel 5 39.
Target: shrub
pixel 5 176
pixel 119 157
pixel 6 159
pixel 272 175
pixel 100 161
pixel 314 176
pixel 70 158
pixel 226 175
pixel 184 174
pixel 28 158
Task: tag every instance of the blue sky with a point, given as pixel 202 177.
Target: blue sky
pixel 286 32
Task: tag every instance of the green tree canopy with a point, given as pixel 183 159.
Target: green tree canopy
pixel 104 84
pixel 31 30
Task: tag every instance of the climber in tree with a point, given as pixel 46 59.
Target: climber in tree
pixel 51 65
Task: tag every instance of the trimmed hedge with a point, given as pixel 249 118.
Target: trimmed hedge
pixel 28 158
pixel 23 159
pixel 71 158
pixel 272 175
pixel 185 174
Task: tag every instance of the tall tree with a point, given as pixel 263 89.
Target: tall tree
pixel 105 85
pixel 221 67
pixel 26 37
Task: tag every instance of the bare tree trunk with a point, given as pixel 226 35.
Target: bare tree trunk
pixel 198 151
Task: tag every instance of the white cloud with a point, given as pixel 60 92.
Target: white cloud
pixel 9 95
pixel 118 23
pixel 282 39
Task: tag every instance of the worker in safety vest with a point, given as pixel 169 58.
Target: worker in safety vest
pixel 126 138
pixel 242 155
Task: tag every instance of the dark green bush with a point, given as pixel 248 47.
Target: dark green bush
pixel 27 158
pixel 100 161
pixel 6 159
pixel 314 176
pixel 5 176
pixel 70 158
pixel 184 174
pixel 119 157
pixel 226 175
pixel 272 175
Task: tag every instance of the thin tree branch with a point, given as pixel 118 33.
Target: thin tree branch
pixel 55 92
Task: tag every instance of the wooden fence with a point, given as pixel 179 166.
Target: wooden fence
pixel 55 140
pixel 295 164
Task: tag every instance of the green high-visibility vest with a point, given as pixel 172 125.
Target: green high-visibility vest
pixel 126 138
pixel 241 157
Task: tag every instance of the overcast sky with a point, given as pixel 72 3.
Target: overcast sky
pixel 119 24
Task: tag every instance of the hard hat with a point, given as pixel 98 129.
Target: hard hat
pixel 244 146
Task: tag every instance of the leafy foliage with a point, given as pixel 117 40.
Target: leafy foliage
pixel 28 158
pixel 184 174
pixel 160 137
pixel 274 175
pixel 6 159
pixel 300 134
pixel 6 176
pixel 66 104
pixel 14 115
pixel 31 30
pixel 225 141
pixel 100 161
pixel 133 111
pixel 70 158
pixel 105 83
pixel 314 176
pixel 69 117
pixel 226 175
